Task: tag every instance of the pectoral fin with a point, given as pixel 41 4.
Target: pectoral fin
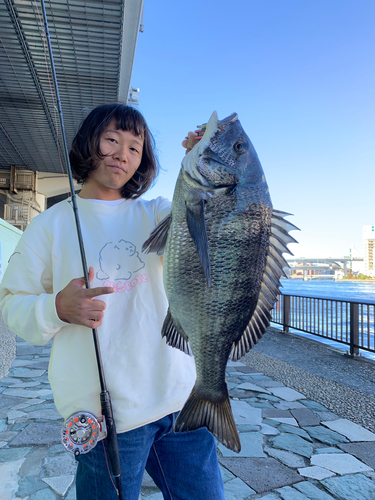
pixel 197 228
pixel 158 238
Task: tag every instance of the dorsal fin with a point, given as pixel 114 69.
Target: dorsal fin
pixel 270 287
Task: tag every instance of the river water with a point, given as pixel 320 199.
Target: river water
pixel 342 290
pixel 349 290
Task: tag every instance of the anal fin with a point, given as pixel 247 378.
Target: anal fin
pixel 175 336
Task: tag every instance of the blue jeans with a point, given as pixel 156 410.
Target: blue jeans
pixel 183 465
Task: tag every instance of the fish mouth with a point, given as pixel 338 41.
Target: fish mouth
pixel 192 159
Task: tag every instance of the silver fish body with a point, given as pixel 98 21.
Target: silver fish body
pixel 223 246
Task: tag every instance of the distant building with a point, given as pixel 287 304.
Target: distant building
pixel 369 248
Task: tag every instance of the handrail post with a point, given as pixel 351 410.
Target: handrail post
pixel 286 313
pixel 354 329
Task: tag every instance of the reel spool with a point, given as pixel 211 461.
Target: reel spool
pixel 81 431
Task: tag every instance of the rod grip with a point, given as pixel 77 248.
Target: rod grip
pixel 111 433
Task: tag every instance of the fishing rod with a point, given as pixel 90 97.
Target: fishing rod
pixel 81 431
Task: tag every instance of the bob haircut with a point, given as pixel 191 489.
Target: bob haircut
pixel 85 152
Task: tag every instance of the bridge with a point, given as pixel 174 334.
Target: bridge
pixel 322 264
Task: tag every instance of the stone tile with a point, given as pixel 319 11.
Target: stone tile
pixel 352 431
pixel 8 403
pixel 29 485
pixel 265 404
pixel 235 363
pixel 261 474
pixel 38 434
pixel 268 397
pixel 305 417
pixel 247 386
pixel 237 393
pixel 33 463
pixel 251 446
pixel 21 393
pixel 46 494
pixel 28 350
pixel 237 490
pixel 288 421
pixel 26 373
pixel 356 487
pixel 326 416
pixel 312 492
pixel 72 494
pixel 288 405
pixel 286 457
pixel 276 413
pixel 271 496
pixel 51 414
pixel 3 425
pixel 9 479
pixel 23 385
pixel 268 430
pixel 294 430
pixel 293 443
pixel 323 451
pixel 8 435
pixel 269 383
pixel 325 435
pixel 63 464
pixel 244 414
pixel 270 422
pixel 248 428
pixel 155 496
pixel 59 484
pixel 15 415
pixel 288 493
pixel 340 463
pixel 226 474
pixel 287 393
pixel 13 454
pixel 313 405
pixel 246 369
pixel 315 472
pixel 28 403
pixel 363 451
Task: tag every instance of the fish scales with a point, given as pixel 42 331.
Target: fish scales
pixel 220 275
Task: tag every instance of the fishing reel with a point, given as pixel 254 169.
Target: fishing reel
pixel 81 432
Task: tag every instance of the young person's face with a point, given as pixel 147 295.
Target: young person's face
pixel 123 154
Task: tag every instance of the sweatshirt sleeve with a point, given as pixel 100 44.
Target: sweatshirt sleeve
pixel 163 208
pixel 27 299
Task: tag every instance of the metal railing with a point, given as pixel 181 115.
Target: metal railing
pixel 345 321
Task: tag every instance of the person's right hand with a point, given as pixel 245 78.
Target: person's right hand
pixel 76 304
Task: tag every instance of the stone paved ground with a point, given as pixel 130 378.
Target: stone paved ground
pixel 293 448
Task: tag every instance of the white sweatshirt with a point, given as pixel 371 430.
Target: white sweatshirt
pixel 146 378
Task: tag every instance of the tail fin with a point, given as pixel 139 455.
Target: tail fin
pixel 216 415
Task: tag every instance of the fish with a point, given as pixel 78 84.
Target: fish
pixel 222 246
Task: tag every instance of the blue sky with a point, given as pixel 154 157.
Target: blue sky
pixel 299 73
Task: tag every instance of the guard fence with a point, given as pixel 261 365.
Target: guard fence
pixel 345 321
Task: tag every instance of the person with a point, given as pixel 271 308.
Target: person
pixel 43 297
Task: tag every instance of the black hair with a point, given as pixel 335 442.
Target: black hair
pixel 85 151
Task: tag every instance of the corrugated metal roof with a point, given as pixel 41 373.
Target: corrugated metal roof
pixel 93 45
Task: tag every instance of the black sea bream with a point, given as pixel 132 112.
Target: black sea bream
pixel 223 246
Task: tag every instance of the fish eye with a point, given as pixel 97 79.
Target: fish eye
pixel 239 147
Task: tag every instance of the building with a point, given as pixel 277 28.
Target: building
pixel 369 249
